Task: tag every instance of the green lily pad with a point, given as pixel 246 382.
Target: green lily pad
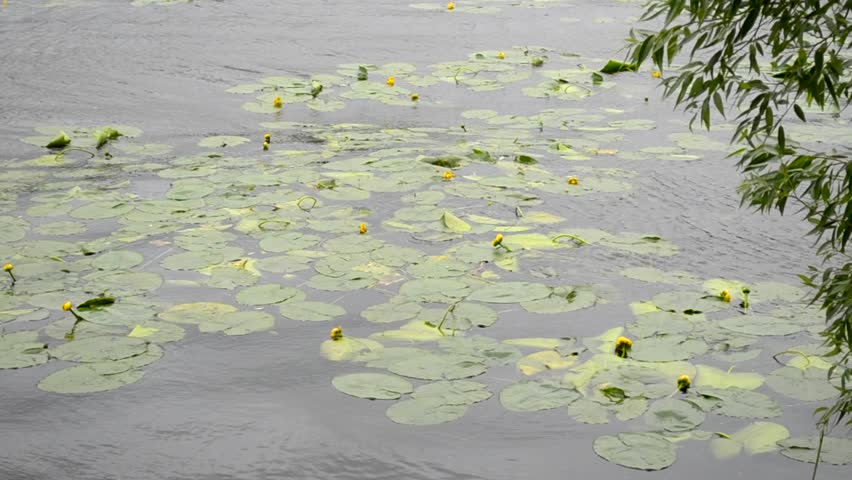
pixel 425 411
pixel 759 437
pixel 238 323
pixel 760 325
pixel 269 294
pixel 511 292
pixel 836 451
pixel 740 403
pixel 439 367
pixel 673 415
pixel 118 260
pixel 91 378
pixel 454 392
pixel 349 348
pixel 374 386
pixel 713 377
pixel 535 395
pixel 808 385
pixel 311 311
pixel 391 312
pixel 667 348
pixel 100 349
pixel 221 141
pixel 21 350
pixel 642 451
pixel 654 275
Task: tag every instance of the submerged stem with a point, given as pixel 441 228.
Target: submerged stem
pixel 577 239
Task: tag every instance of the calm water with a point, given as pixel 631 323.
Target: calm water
pixel 262 406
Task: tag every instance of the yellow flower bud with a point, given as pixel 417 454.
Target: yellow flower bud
pixel 656 74
pixel 451 6
pixel 67 306
pixel 573 181
pixel 362 228
pixel 498 240
pixel 267 137
pixel 683 383
pixel 391 81
pixel 501 55
pixel 415 97
pixel 277 102
pixel 448 175
pixel 8 267
pixel 336 333
pixel 623 346
pixel 266 145
pixel 725 296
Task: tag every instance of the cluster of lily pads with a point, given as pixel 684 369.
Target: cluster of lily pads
pixel 449 227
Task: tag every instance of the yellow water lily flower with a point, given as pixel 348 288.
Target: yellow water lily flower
pixel 391 81
pixel 683 383
pixel 656 74
pixel 501 55
pixel 266 145
pixel 623 346
pixel 725 296
pixel 451 6
pixel 498 240
pixel 362 228
pixel 415 97
pixel 67 306
pixel 267 137
pixel 573 181
pixel 8 269
pixel 448 175
pixel 336 333
pixel 277 102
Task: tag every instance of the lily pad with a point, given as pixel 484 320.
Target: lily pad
pixel 836 451
pixel 311 311
pixel 673 415
pixel 425 411
pixel 374 386
pixel 511 292
pixel 100 349
pixel 642 451
pixel 759 437
pixel 535 395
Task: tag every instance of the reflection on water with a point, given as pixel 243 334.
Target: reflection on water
pixel 262 406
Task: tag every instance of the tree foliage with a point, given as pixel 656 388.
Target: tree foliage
pixel 770 61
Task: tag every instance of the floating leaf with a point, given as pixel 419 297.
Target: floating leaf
pixel 713 377
pixel 311 311
pixel 511 292
pixel 62 140
pixel 439 367
pixel 535 395
pixel 21 350
pixel 836 451
pixel 454 223
pixel 642 451
pixel 543 361
pixel 673 415
pixel 425 411
pixel 374 386
pixel 100 349
pixel 269 294
pixel 759 437
pixel 808 385
pixel 454 392
pixel 740 403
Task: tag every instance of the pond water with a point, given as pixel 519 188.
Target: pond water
pixel 182 205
